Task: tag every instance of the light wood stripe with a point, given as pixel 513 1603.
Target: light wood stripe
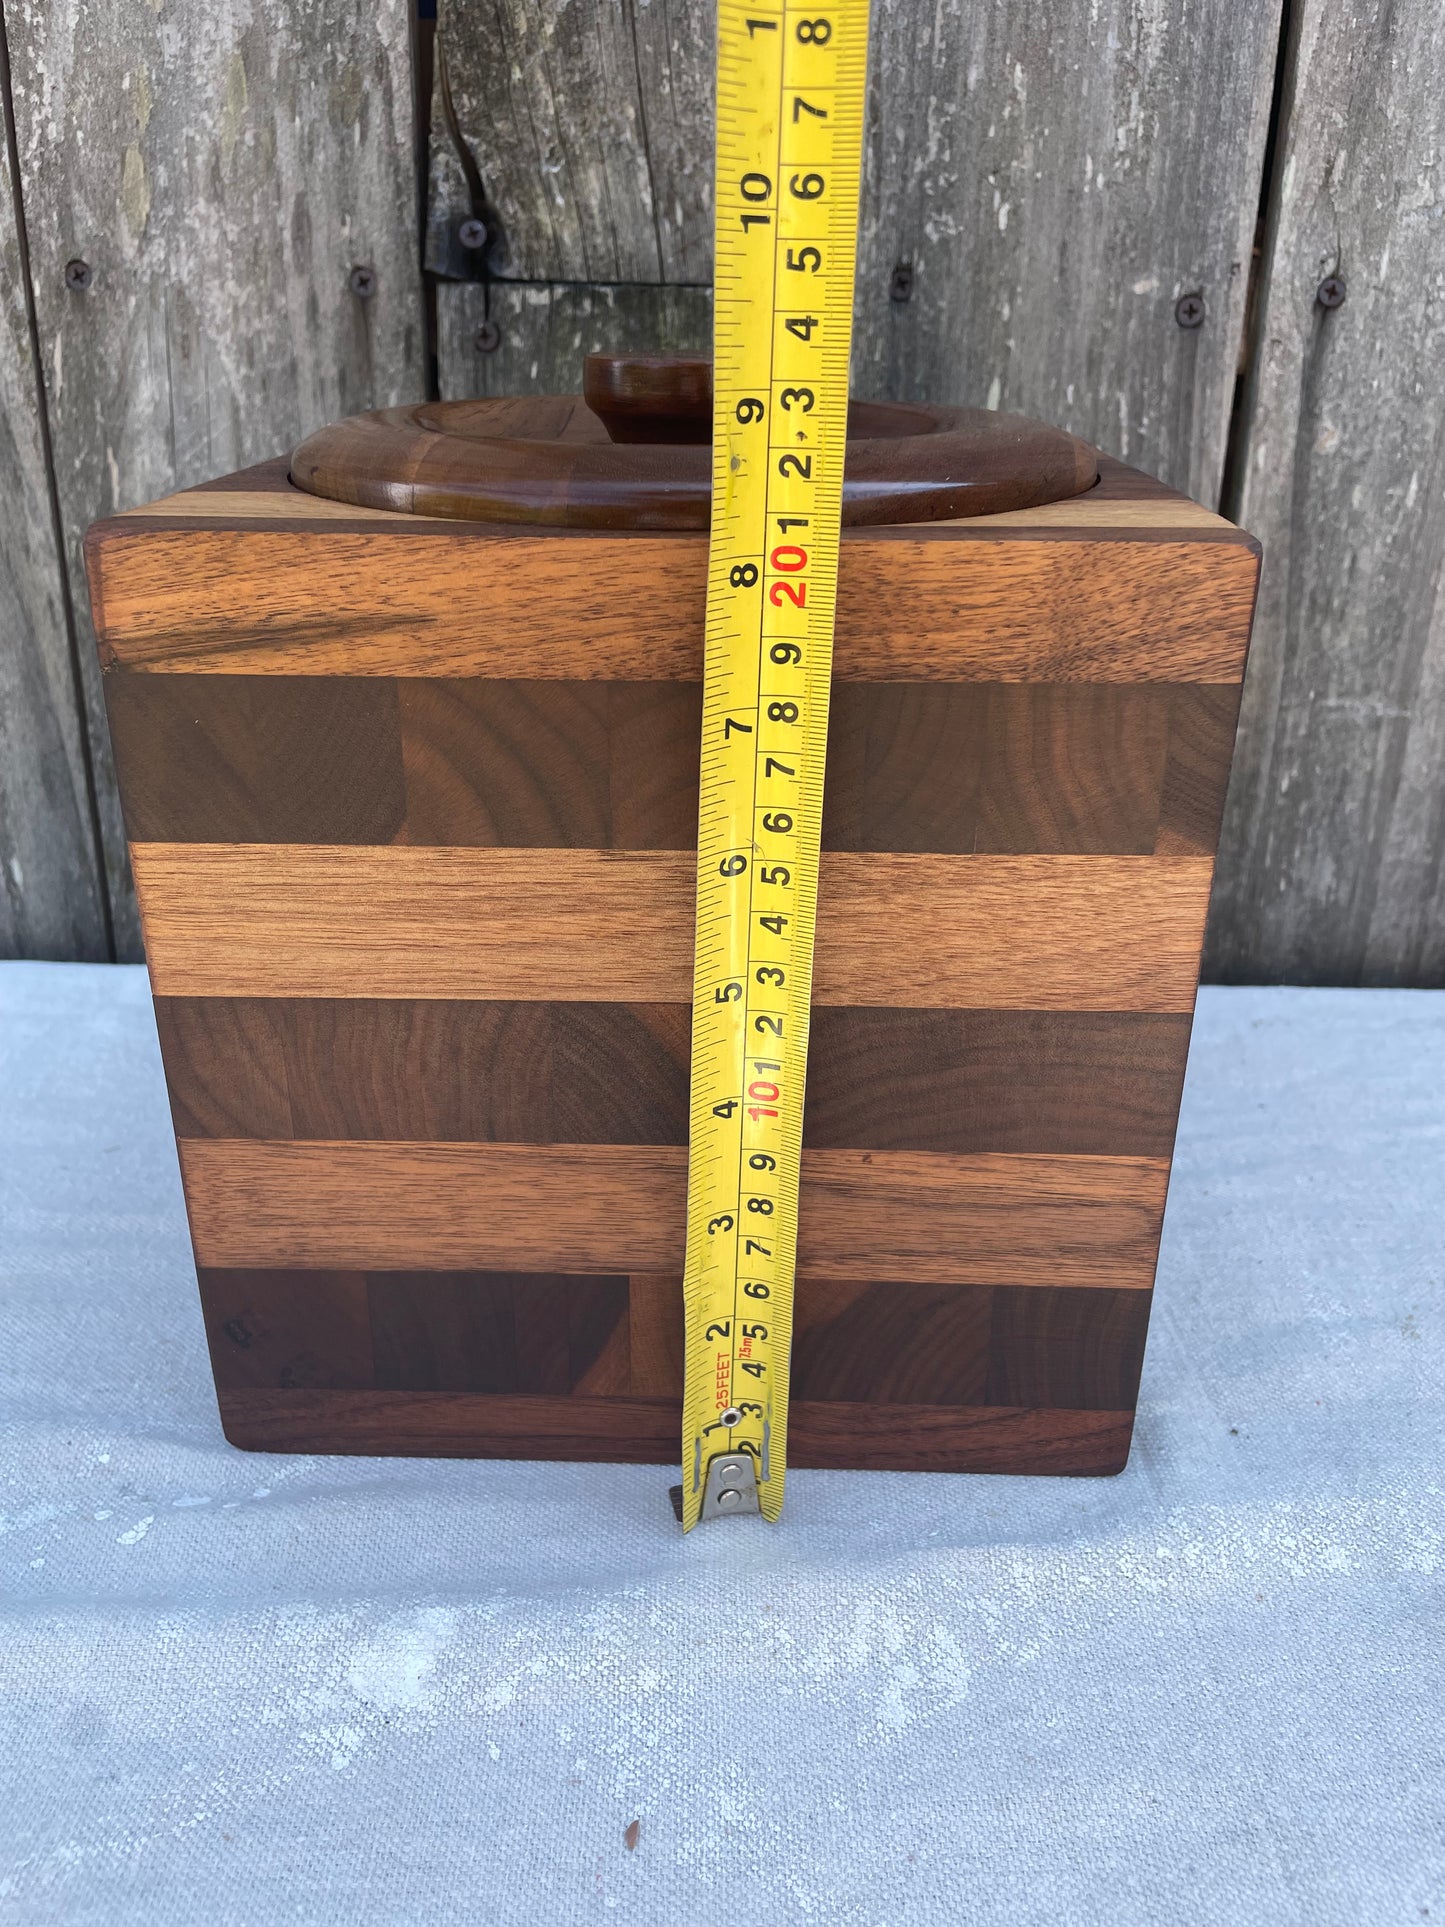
pixel 1096 511
pixel 1135 607
pixel 1098 516
pixel 905 1216
pixel 260 505
pixel 612 926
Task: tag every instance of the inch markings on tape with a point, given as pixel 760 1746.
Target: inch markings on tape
pixel 790 125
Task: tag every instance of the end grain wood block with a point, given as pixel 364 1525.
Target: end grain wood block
pixel 590 1336
pixel 947 768
pixel 401 795
pixel 542 1363
pixel 448 1070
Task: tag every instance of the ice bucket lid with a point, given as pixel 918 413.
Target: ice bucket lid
pixel 633 452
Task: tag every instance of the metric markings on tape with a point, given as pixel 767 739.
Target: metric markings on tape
pixel 790 122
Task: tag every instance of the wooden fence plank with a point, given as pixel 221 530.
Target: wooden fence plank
pixel 543 331
pixel 51 899
pixel 1052 180
pixel 1333 863
pixel 591 127
pixel 1056 178
pixel 223 175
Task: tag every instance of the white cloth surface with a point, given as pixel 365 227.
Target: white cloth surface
pixel 239 1690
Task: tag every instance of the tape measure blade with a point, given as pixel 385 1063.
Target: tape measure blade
pixel 791 101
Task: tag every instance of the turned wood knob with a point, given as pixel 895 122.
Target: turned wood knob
pixel 650 398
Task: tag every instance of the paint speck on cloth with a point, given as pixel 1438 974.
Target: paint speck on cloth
pixel 255 1691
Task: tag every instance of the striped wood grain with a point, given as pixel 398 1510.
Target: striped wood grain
pixel 465 1331
pixel 943 768
pixel 908 1438
pixel 1051 606
pixel 438 1070
pixel 1017 932
pixel 918 1217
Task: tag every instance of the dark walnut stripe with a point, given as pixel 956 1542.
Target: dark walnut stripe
pixel 946 932
pixel 1072 768
pixel 933 1438
pixel 1075 1081
pixel 494 1332
pixel 922 1218
pixel 906 1438
pixel 1088 769
pixel 955 604
pixel 878 1079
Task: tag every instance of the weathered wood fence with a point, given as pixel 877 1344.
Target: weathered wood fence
pixel 221 226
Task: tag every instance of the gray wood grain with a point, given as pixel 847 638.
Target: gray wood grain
pixel 591 127
pixel 543 332
pixel 223 173
pixel 1054 179
pixel 1333 864
pixel 51 900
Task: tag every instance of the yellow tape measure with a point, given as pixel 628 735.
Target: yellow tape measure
pixel 790 128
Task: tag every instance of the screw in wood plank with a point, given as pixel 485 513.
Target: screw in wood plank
pixel 472 233
pixel 488 338
pixel 900 282
pixel 1189 310
pixel 1331 291
pixel 77 276
pixel 363 283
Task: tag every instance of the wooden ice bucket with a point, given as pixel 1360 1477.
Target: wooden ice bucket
pixel 409 759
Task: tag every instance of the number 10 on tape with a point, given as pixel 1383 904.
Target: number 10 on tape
pixel 790 121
